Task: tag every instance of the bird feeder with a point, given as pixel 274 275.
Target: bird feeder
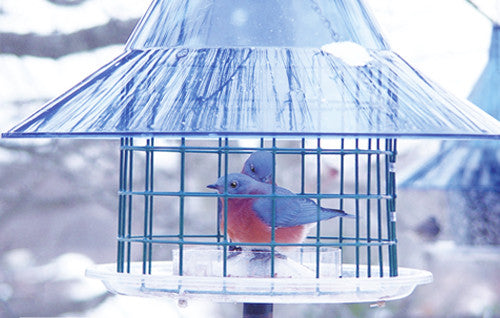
pixel 472 181
pixel 203 85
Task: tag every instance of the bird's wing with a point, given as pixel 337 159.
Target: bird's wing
pixel 292 211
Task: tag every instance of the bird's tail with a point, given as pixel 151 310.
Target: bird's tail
pixel 331 213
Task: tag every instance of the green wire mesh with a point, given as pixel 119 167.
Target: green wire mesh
pixel 164 204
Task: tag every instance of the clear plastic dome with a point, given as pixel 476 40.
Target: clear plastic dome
pixel 255 23
pixel 255 67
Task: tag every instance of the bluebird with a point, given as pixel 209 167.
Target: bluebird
pixel 249 219
pixel 259 166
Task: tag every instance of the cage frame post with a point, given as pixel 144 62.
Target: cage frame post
pixel 391 205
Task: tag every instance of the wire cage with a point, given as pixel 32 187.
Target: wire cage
pixel 356 175
pixel 364 185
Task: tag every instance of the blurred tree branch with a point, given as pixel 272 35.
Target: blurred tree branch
pixel 57 44
pixel 67 2
pixel 43 169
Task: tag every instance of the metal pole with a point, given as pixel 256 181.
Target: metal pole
pixel 257 310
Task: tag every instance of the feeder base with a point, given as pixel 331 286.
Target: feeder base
pixel 348 289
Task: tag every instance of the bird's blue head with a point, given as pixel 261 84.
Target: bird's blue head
pixel 259 166
pixel 237 183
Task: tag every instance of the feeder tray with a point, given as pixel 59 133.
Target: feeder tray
pixel 247 277
pixel 348 289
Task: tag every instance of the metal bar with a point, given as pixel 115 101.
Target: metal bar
pixel 181 206
pixel 346 238
pixel 121 210
pixel 356 191
pixel 146 211
pixel 368 219
pixel 379 215
pixel 273 219
pixel 249 150
pixel 318 208
pixel 151 186
pixel 210 194
pixel 388 202
pixel 303 167
pixel 219 203
pixel 341 193
pixel 141 239
pixel 226 170
pixel 392 210
pixel 130 170
pixel 148 208
pixel 185 236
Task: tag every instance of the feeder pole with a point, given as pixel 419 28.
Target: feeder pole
pixel 257 310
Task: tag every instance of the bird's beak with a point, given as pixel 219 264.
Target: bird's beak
pixel 212 186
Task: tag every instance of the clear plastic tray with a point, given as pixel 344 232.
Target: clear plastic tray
pixel 348 289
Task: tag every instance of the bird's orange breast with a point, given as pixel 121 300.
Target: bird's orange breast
pixel 243 225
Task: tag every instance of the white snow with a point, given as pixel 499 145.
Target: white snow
pixel 447 40
pixel 349 52
pixel 43 17
pixel 68 268
pixel 71 267
pixel 65 267
pixel 33 81
pixel 28 78
pixel 132 307
pixel 18 259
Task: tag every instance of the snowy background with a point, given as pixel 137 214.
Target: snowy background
pixel 58 197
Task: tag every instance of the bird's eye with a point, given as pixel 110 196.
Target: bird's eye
pixel 234 184
pixel 252 168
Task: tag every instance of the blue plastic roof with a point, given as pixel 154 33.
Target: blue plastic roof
pixel 486 92
pixel 468 165
pixel 257 67
pixel 460 165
